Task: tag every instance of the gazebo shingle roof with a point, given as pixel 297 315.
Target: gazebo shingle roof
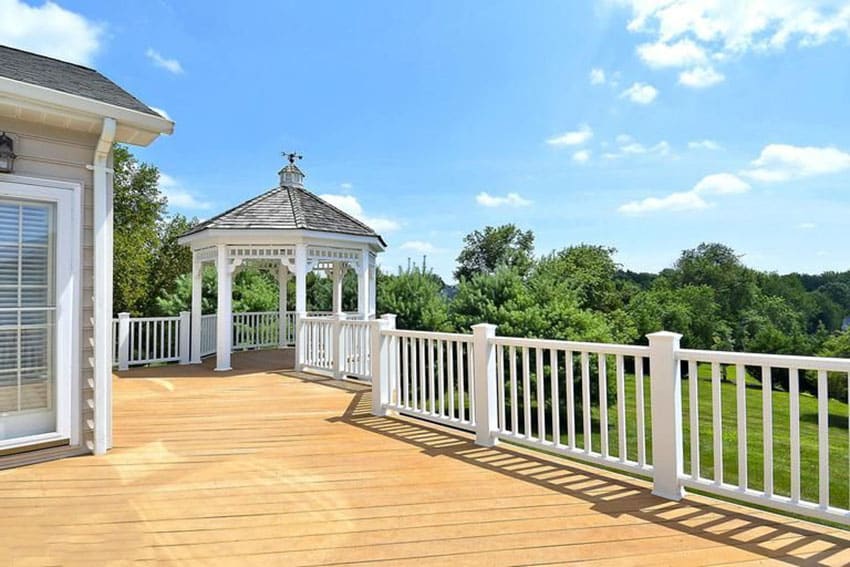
pixel 287 208
pixel 66 77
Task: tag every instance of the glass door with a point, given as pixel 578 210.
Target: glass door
pixel 28 298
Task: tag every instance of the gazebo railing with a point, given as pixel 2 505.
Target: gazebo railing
pixel 152 340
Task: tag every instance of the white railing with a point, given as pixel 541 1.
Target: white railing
pixel 255 330
pixel 549 390
pixel 622 406
pixel 355 349
pixel 809 488
pixel 209 334
pixel 150 340
pixel 334 345
pixel 316 344
pixel 431 376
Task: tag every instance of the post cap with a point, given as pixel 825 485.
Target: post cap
pixel 486 328
pixel 664 336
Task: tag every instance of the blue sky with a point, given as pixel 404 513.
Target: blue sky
pixel 650 126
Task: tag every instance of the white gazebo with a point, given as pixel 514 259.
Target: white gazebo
pixel 288 230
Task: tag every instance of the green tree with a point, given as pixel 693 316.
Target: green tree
pixel 171 260
pixel 718 267
pixel 138 209
pixel 494 247
pixel 415 296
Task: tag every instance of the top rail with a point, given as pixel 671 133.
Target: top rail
pixel 576 346
pixel 772 360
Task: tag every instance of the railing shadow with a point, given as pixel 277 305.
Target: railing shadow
pixel 611 495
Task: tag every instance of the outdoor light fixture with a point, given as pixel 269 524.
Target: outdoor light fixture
pixel 7 155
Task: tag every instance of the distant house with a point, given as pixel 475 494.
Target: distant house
pixel 58 123
pixel 845 324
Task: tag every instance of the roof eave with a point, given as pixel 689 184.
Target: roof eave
pixel 216 235
pixel 138 128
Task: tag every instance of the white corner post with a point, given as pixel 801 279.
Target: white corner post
pixel 301 278
pixel 224 317
pixel 666 398
pixel 282 296
pixel 373 289
pixel 197 306
pixel 300 304
pixel 338 353
pixel 185 336
pixel 363 284
pixel 380 357
pixel 103 223
pixel 486 400
pixel 123 341
pixel 337 276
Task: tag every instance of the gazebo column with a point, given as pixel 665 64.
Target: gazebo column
pixel 373 289
pixel 197 305
pixel 283 287
pixel 224 316
pixel 338 275
pixel 301 279
pixel 363 284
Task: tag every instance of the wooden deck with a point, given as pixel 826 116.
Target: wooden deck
pixel 259 466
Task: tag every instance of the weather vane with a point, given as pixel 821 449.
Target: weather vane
pixel 292 156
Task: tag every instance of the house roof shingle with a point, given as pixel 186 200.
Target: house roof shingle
pixel 287 208
pixel 66 77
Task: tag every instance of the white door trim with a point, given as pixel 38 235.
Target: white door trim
pixel 67 197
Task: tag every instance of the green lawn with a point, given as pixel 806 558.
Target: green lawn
pixel 839 441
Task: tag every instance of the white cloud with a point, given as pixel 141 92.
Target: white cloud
pixel 640 93
pixel 628 146
pixel 350 205
pixel 346 186
pixel 510 200
pixel 684 201
pixel 419 246
pixel 704 145
pixel 50 30
pixel 597 76
pixel 178 196
pixel 574 138
pixel 721 184
pixel 701 77
pixel 715 184
pixel 724 29
pixel 781 162
pixel 680 54
pixel 807 226
pixel 170 65
pixel 581 156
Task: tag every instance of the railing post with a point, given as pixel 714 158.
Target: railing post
pixel 486 400
pixel 300 343
pixel 380 367
pixel 123 341
pixel 185 336
pixel 337 347
pixel 666 411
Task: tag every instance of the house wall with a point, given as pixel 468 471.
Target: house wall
pixel 61 154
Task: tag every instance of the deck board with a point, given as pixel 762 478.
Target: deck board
pixel 264 466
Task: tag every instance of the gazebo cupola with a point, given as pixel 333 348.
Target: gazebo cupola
pixel 287 230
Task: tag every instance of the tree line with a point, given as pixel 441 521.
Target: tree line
pixel 578 292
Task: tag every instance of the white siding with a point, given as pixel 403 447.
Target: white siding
pixel 61 154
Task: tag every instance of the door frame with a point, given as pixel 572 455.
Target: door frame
pixel 67 198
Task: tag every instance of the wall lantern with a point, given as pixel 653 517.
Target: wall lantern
pixel 7 155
